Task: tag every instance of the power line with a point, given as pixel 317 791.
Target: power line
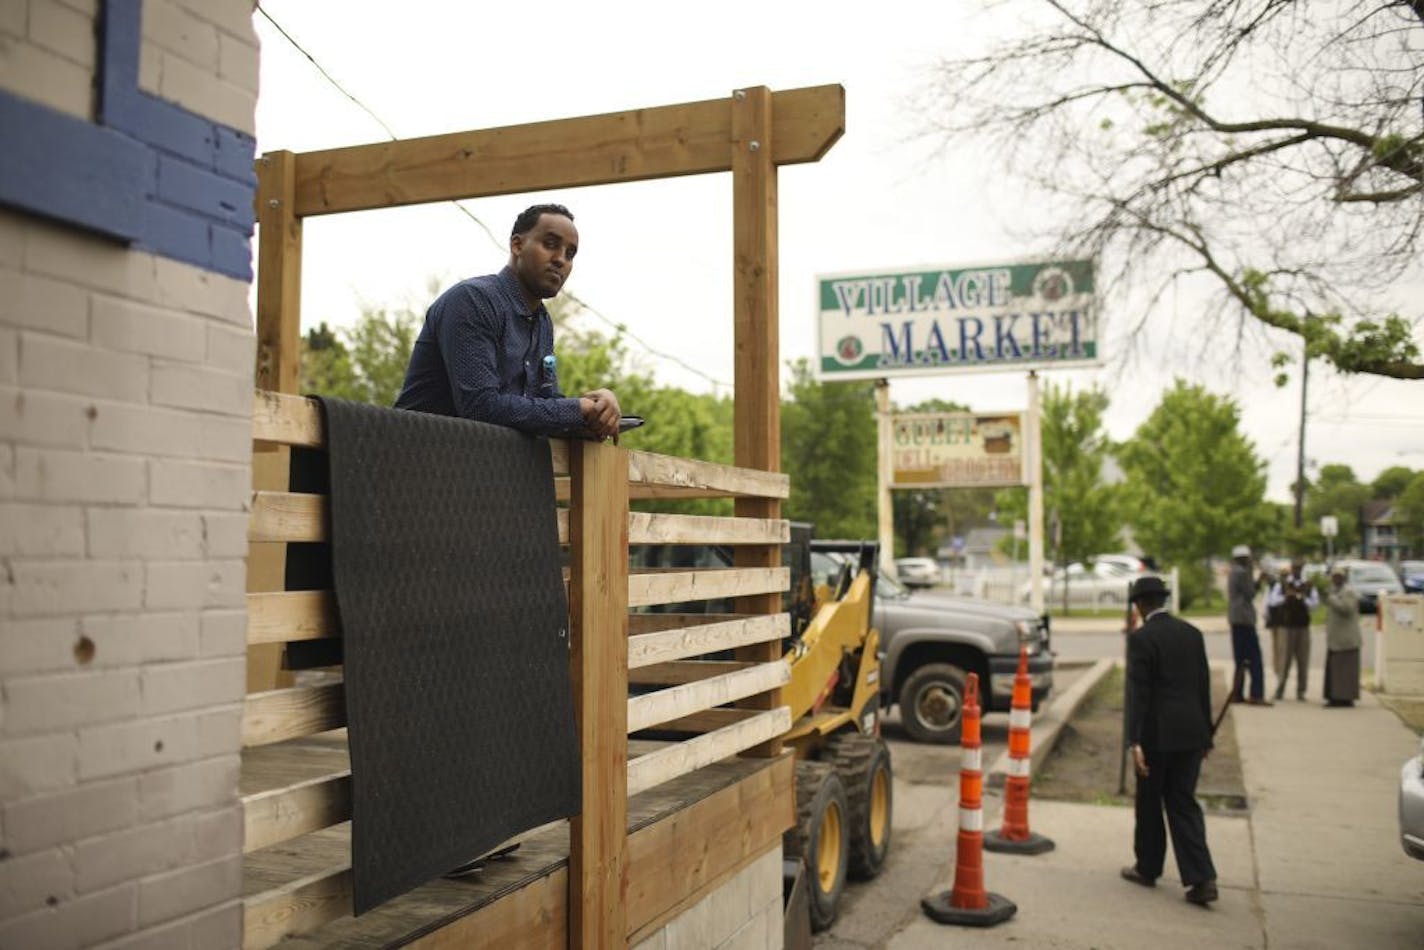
pixel 585 305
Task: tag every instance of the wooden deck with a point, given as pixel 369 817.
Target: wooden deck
pixel 685 836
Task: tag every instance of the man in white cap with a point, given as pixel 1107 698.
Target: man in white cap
pixel 1241 614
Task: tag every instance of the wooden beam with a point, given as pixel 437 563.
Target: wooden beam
pixel 662 646
pixel 287 420
pixel 708 720
pixel 645 528
pixel 279 274
pixel 678 860
pixel 534 917
pixel 679 474
pixel 667 704
pixel 296 908
pixel 285 616
pixel 677 672
pixel 675 587
pixel 662 142
pixel 681 758
pixel 756 375
pixel 286 516
pixel 639 622
pixel 598 609
pixel 280 714
pixel 281 814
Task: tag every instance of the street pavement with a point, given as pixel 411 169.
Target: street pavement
pixel 1315 862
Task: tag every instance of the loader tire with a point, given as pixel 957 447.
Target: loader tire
pixel 863 763
pixel 819 838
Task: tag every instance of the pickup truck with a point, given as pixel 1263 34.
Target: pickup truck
pixel 931 641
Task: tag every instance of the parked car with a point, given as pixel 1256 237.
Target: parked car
pixel 917 571
pixel 1411 575
pixel 931 641
pixel 1370 579
pixel 1104 585
pixel 1128 563
pixel 1411 805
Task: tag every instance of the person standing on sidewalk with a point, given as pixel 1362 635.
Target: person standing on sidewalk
pixel 1169 731
pixel 1296 597
pixel 1342 641
pixel 1241 614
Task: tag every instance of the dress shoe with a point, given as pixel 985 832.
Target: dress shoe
pixel 1130 873
pixel 1203 893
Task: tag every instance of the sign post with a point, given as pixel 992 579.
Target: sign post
pixel 1329 527
pixel 885 512
pixel 1035 497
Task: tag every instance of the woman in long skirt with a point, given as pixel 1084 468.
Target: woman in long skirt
pixel 1342 642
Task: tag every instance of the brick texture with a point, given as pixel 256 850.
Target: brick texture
pixel 125 426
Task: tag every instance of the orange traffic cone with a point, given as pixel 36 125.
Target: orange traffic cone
pixel 1014 837
pixel 968 904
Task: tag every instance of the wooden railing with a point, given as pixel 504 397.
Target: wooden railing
pixel 284 804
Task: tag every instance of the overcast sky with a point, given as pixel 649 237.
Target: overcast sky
pixel 656 256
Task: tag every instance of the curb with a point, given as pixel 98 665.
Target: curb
pixel 1049 723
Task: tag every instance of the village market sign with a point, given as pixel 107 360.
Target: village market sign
pixel 928 322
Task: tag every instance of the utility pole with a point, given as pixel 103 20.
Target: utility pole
pixel 1300 451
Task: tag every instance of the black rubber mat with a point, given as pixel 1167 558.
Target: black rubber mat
pixel 454 621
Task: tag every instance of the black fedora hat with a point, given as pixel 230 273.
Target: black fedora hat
pixel 1148 585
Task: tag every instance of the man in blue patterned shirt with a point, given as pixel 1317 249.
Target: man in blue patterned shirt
pixel 486 350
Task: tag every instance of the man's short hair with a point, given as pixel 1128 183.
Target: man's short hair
pixel 530 217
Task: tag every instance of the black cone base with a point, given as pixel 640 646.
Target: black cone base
pixel 1034 844
pixel 939 909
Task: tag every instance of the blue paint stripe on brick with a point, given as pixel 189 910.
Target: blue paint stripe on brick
pixel 120 40
pixel 232 251
pixel 62 167
pixel 206 192
pixel 234 155
pixel 197 208
pixel 176 234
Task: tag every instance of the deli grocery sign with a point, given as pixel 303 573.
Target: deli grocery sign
pixel 957 450
pixel 931 322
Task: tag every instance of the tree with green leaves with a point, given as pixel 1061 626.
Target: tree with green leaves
pixel 1270 149
pixel 1409 514
pixel 829 447
pixel 1194 483
pixel 1076 450
pixel 364 362
pixel 1391 482
pixel 1338 494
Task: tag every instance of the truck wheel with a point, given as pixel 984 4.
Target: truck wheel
pixel 932 703
pixel 819 838
pixel 863 763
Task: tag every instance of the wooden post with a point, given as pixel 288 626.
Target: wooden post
pixel 598 609
pixel 757 376
pixel 279 332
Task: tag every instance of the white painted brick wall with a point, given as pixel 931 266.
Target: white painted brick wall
pixel 125 420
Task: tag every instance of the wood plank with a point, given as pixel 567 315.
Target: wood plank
pixel 683 757
pixel 279 274
pixel 282 814
pixel 681 857
pixel 646 528
pixel 635 145
pixel 644 622
pixel 668 471
pixel 287 420
pixel 287 516
pixel 675 587
pixel 280 714
pixel 684 671
pixel 598 611
pixel 286 616
pixel 296 908
pixel 708 720
pixel 677 701
pixel 534 917
pixel 756 323
pixel 661 646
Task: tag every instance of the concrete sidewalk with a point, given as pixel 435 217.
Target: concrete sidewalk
pixel 1317 862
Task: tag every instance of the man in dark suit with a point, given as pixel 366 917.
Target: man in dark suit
pixel 1169 728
